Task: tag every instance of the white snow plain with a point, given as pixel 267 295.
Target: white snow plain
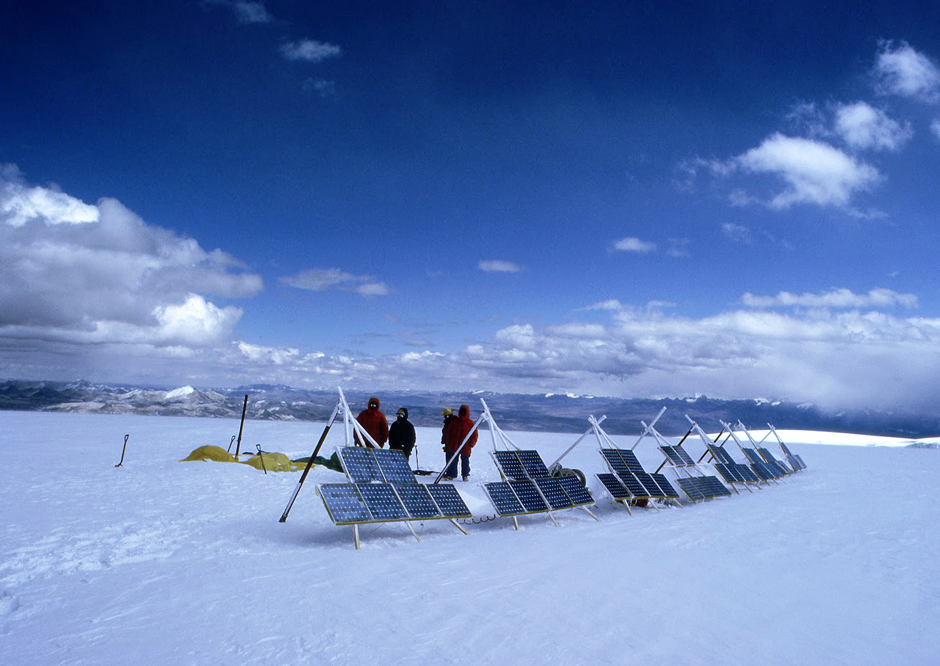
pixel 167 562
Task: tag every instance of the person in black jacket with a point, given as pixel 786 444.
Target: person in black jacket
pixel 401 435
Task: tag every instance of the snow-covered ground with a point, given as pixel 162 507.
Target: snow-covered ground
pixel 164 562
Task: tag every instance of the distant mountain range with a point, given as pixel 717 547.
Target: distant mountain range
pixel 535 413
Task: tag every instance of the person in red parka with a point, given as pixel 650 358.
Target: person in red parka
pixel 455 432
pixel 374 423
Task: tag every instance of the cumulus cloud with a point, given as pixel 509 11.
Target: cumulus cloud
pixel 900 70
pixel 635 245
pixel 329 279
pixel 309 50
pixel 836 298
pixel 813 172
pixel 864 127
pixel 73 272
pixel 498 266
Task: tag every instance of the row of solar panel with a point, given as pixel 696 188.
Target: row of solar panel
pixel 766 468
pixel 631 475
pixel 351 503
pixel 365 465
pixel 677 456
pixel 521 496
pixel 703 487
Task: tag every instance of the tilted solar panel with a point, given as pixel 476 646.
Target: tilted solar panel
pixel 652 488
pixel 672 455
pixel 692 488
pixel 533 464
pixel 551 489
pixel 503 498
pixel 630 459
pixel 720 454
pixel 715 487
pixel 728 473
pixel 580 496
pixel 509 464
pixel 448 500
pixel 344 504
pixel 616 489
pixel 417 500
pixel 394 466
pixel 752 456
pixel 382 501
pixel 746 473
pixel 528 494
pixel 785 449
pixel 761 470
pixel 686 458
pixel 359 464
pixel 664 484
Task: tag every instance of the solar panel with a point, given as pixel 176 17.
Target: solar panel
pixel 616 489
pixel 580 496
pixel 533 464
pixel 344 504
pixel 729 473
pixel 652 489
pixel 509 464
pixel 746 473
pixel 417 500
pixel 752 456
pixel 692 488
pixel 686 458
pixel 664 484
pixel 715 487
pixel 629 457
pixel 786 450
pixel 528 494
pixel 448 500
pixel 760 469
pixel 720 454
pixel 359 464
pixel 394 466
pixel 503 498
pixel 799 459
pixel 382 501
pixel 551 489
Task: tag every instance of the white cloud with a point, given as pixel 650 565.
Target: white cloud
pixel 737 233
pixel 935 127
pixel 327 279
pixel 78 273
pixel 836 299
pixel 251 12
pixel 903 71
pixel 498 266
pixel 866 128
pixel 309 50
pixel 635 245
pixel 814 172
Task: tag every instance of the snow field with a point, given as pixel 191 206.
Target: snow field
pixel 166 562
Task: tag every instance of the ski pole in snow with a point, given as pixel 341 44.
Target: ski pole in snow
pixel 244 409
pixel 262 459
pixel 123 450
pixel 230 442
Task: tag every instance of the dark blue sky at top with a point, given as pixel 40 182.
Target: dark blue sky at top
pixel 444 134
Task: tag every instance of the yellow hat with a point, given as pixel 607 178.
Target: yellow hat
pixel 447 411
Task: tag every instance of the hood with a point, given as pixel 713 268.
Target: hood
pixel 375 401
pixel 463 412
pixel 405 410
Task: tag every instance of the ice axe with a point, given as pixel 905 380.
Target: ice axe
pixel 123 450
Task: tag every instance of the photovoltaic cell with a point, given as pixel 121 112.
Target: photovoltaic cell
pixel 652 488
pixel 673 456
pixel 448 500
pixel 417 500
pixel 692 488
pixel 344 504
pixel 580 496
pixel 616 489
pixel 786 450
pixel 686 458
pixel 728 472
pixel 359 464
pixel 382 501
pixel 664 484
pixel 630 459
pixel 746 473
pixel 553 492
pixel 715 487
pixel 394 466
pixel 533 464
pixel 509 464
pixel 720 454
pixel 529 495
pixel 752 456
pixel 503 498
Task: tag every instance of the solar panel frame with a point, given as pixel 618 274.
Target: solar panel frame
pixel 715 486
pixel 720 453
pixel 692 488
pixel 394 466
pixel 503 498
pixel 631 461
pixel 576 491
pixel 448 501
pixel 552 491
pixel 752 456
pixel 652 488
pixel 509 464
pixel 359 464
pixel 665 486
pixel 532 463
pixel 344 505
pixel 686 458
pixel 672 456
pixel 417 501
pixel 382 502
pixel 746 473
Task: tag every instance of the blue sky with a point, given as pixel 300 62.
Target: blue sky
pixel 629 199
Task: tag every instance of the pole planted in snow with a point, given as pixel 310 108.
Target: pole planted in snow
pixel 241 427
pixel 313 455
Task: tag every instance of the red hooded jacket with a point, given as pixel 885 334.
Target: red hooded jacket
pixel 374 423
pixel 457 430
